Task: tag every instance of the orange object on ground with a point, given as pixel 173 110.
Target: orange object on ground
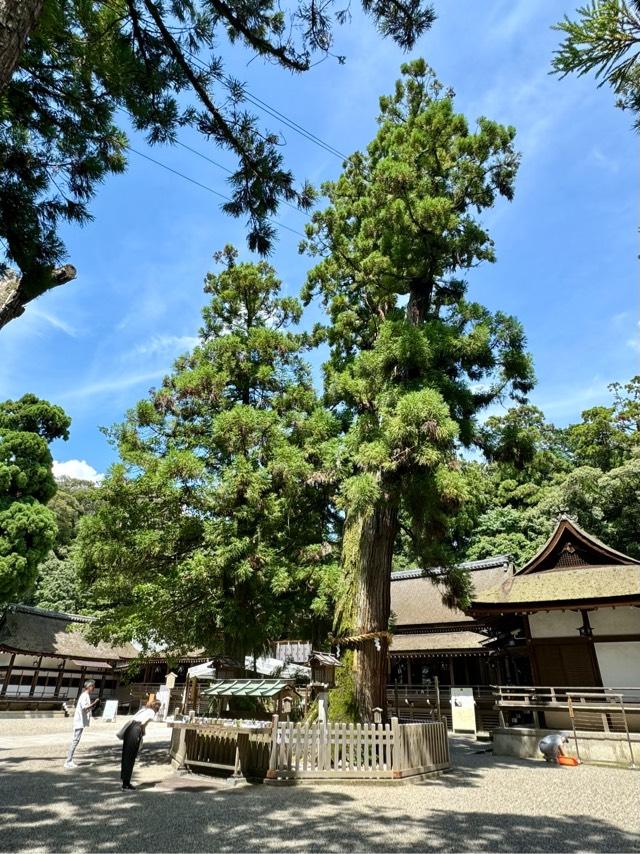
pixel 568 760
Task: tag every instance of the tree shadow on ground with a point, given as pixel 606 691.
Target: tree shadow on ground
pixel 47 809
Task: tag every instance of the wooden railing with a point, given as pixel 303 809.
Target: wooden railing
pixel 413 703
pixel 286 751
pixel 595 709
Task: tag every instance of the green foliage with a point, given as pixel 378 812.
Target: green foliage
pixel 342 699
pixel 27 526
pixel 589 470
pixel 604 39
pixel 86 65
pixel 215 529
pixel 58 586
pixel 412 360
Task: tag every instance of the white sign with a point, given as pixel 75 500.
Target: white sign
pixel 463 710
pixel 163 696
pixel 110 710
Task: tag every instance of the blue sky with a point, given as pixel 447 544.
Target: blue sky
pixel 566 245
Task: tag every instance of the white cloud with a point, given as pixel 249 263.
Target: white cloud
pixel 79 469
pixel 634 343
pixel 166 344
pixel 567 403
pixel 114 384
pixel 52 320
pixel 511 20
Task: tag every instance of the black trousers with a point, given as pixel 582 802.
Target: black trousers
pixel 130 747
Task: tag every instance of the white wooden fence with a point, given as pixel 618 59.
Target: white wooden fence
pixel 288 752
pixel 357 751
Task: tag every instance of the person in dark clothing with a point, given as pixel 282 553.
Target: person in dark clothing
pixel 132 741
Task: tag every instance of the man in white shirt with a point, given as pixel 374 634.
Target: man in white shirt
pixel 81 719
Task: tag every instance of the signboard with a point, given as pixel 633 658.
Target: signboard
pixel 163 696
pixel 463 710
pixel 110 710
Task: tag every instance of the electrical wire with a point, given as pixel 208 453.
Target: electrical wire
pixel 205 186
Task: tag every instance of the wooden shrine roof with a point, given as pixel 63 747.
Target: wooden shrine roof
pixel 416 599
pixel 572 569
pixel 34 631
pixel 587 585
pixel 570 547
pixel 437 642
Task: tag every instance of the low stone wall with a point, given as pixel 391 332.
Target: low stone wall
pixel 593 746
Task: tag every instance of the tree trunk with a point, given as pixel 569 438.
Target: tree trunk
pixel 14 296
pixel 369 539
pixel 17 19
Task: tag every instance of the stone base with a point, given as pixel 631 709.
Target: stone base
pixel 612 747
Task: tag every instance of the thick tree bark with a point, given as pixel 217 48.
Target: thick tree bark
pixel 369 541
pixel 14 296
pixel 17 19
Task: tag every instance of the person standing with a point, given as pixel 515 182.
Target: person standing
pixel 81 719
pixel 132 740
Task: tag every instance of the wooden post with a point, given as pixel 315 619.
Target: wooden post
pixel 178 748
pixel 7 675
pixel 56 690
pixel 34 680
pixel 242 755
pixel 436 683
pixel 396 749
pixel 272 773
pixel 83 673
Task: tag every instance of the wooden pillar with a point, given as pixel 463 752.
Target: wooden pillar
pixel 101 688
pixel 591 650
pixel 452 679
pixel 34 680
pixel 83 673
pixel 531 650
pixel 466 670
pixel 7 675
pixel 56 691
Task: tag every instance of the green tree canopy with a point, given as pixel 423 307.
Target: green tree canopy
pixel 27 526
pixel 605 39
pixel 85 65
pixel 58 586
pixel 412 359
pixel 215 530
pixel 588 469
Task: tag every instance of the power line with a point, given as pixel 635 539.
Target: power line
pixel 226 169
pixel 276 114
pixel 253 99
pixel 205 186
pixel 270 110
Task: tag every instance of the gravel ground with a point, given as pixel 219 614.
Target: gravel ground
pixel 483 804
